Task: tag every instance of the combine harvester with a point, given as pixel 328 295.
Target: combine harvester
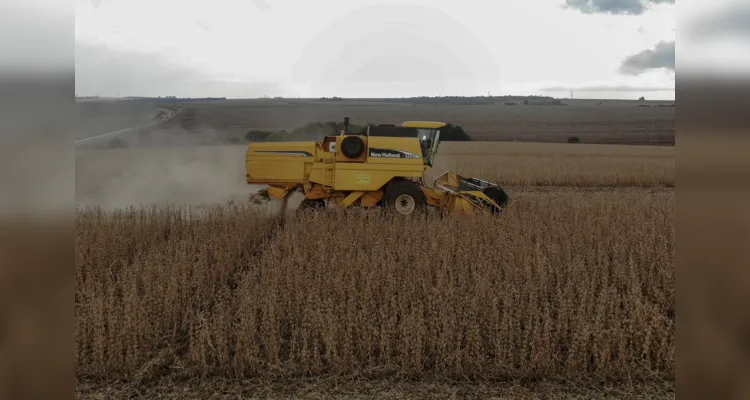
pixel 361 170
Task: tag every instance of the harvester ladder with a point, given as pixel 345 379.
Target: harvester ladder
pixel 329 173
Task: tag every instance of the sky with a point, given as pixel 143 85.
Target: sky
pixel 378 48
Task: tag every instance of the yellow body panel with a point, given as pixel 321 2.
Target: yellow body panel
pixel 394 150
pixel 288 162
pixel 423 124
pixel 351 198
pixel 384 158
pixel 371 199
pixel 461 205
pixel 370 176
pixel 449 180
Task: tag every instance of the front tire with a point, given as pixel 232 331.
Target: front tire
pixel 404 197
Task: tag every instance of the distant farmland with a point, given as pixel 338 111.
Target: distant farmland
pixel 591 121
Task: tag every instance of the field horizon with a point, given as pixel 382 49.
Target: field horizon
pixel 647 122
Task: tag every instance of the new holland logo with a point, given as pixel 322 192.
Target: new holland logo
pixel 391 153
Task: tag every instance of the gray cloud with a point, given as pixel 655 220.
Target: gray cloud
pixel 108 72
pixel 607 88
pixel 661 56
pixel 615 7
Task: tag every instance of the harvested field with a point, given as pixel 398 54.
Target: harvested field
pixel 548 164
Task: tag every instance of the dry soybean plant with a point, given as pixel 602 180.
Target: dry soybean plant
pixel 559 288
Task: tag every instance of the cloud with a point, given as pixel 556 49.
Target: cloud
pixel 614 7
pixel 106 71
pixel 607 88
pixel 661 56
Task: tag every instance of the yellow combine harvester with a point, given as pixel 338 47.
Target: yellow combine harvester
pixel 368 171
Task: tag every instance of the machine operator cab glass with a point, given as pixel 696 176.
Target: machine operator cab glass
pixel 428 133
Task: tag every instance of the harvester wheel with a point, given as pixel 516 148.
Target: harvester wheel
pixel 352 146
pixel 405 197
pixel 497 195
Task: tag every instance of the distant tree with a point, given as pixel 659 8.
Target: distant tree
pixel 642 98
pixel 278 136
pixel 257 136
pixel 454 133
pixel 547 102
pixel 574 139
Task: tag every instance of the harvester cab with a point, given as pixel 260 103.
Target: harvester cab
pixel 428 134
pixel 383 165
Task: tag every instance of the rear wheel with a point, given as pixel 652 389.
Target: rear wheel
pixel 405 197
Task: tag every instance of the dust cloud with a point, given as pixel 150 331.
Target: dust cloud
pixel 159 164
pixel 163 137
pixel 196 176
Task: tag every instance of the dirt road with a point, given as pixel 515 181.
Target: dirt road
pixel 165 115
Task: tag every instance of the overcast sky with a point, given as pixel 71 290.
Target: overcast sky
pixel 375 48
